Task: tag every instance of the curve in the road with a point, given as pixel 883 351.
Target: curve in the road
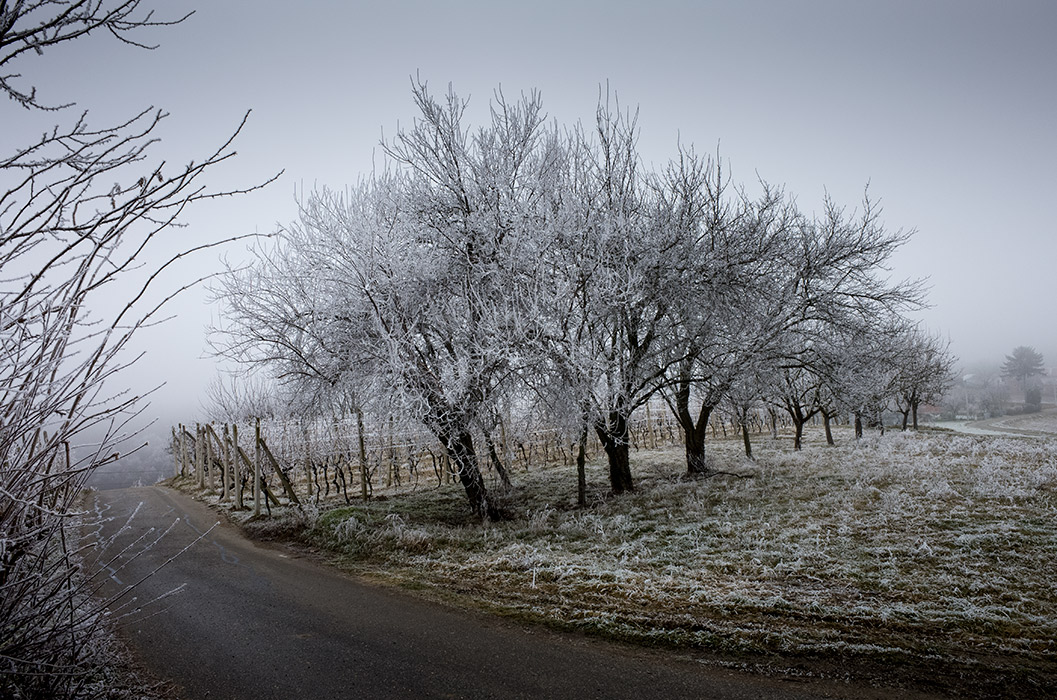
pixel 257 623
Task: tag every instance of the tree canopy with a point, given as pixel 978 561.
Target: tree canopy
pixel 519 264
pixel 1023 364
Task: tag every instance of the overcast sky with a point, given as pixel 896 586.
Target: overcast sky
pixel 948 110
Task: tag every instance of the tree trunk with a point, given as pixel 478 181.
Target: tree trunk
pixel 798 434
pixel 497 464
pixel 829 433
pixel 364 490
pixel 914 411
pixel 906 419
pixel 581 472
pixel 858 425
pixel 694 431
pixel 464 459
pixel 614 439
pixel 745 438
pixel 694 439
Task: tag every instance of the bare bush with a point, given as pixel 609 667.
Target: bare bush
pixel 81 209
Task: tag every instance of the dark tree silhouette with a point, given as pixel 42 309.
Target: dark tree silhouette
pixel 1024 363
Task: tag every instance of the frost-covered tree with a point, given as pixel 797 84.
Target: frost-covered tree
pixel 417 279
pixel 728 310
pixel 610 283
pixel 82 209
pixel 924 374
pixel 861 363
pixel 744 398
pixel 841 291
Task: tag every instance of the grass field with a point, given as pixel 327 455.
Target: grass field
pixel 927 556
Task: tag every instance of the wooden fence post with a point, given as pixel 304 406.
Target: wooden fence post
pixel 209 458
pixel 200 475
pixel 257 472
pixel 308 459
pixel 175 454
pixel 183 450
pixel 364 476
pixel 225 452
pixel 238 465
pixel 288 487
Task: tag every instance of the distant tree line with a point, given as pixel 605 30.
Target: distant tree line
pixel 525 266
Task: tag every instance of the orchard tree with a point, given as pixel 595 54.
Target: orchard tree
pixel 414 280
pixel 82 207
pixel 727 316
pixel 610 285
pixel 925 371
pixel 862 363
pixel 840 291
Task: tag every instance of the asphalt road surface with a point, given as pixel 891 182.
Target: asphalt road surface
pixel 260 622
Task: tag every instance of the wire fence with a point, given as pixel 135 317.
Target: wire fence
pixel 343 458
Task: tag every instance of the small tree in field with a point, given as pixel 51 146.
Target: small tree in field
pixel 925 372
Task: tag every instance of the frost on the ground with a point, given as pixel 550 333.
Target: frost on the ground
pixel 908 543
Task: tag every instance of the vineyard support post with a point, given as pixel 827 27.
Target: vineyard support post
pixel 183 450
pixel 308 459
pixel 209 458
pixel 225 492
pixel 175 454
pixel 238 466
pixel 363 455
pixel 199 458
pixel 257 471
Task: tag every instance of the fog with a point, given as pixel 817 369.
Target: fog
pixel 945 109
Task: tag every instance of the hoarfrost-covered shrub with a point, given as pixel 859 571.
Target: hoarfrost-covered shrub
pixel 348 529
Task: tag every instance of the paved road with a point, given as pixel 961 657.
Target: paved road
pixel 256 622
pixel 1027 425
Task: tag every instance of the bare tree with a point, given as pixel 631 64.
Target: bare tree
pixel 414 278
pixel 610 320
pixel 925 372
pixel 241 397
pixel 80 208
pixel 840 290
pixel 730 311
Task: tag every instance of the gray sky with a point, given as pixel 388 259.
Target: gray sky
pixel 946 108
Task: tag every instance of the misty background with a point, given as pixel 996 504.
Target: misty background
pixel 944 108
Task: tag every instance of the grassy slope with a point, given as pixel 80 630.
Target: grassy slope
pixel 912 555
